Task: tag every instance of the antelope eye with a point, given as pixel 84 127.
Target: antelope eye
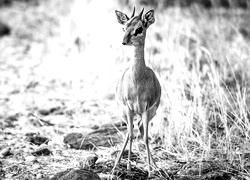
pixel 138 31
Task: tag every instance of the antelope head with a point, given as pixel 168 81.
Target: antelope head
pixel 135 27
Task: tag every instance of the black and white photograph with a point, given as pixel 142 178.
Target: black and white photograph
pixel 124 89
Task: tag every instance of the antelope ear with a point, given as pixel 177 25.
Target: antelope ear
pixel 149 18
pixel 121 17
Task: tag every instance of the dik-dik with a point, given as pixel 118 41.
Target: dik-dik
pixel 138 91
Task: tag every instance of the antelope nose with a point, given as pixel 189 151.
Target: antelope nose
pixel 123 43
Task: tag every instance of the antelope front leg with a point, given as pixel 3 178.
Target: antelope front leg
pixel 130 132
pixel 145 121
pixel 123 148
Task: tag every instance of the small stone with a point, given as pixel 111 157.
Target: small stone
pixel 193 171
pixel 74 174
pixel 4 29
pixel 73 140
pixel 47 111
pixel 44 112
pixel 91 160
pixel 5 152
pixel 39 176
pixel 42 152
pixel 36 166
pixel 36 139
pixel 95 127
pixel 30 158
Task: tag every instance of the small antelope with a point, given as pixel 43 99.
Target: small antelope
pixel 138 92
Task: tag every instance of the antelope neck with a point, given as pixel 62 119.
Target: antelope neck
pixel 139 56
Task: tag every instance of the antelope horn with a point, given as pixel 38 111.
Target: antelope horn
pixel 140 15
pixel 133 12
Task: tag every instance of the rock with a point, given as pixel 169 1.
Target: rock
pixel 245 31
pixel 44 112
pixel 76 174
pixel 47 111
pixel 36 139
pixel 5 152
pixel 10 120
pixel 95 127
pixel 243 4
pixel 5 3
pixel 206 3
pixel 91 160
pixel 105 137
pixel 36 166
pixel 4 29
pixel 42 152
pixel 73 139
pixel 30 159
pixel 39 176
pixel 90 141
pixel 13 117
pixel 225 3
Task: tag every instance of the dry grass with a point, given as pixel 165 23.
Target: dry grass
pixel 201 60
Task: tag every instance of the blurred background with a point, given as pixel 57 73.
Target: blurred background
pixel 70 54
